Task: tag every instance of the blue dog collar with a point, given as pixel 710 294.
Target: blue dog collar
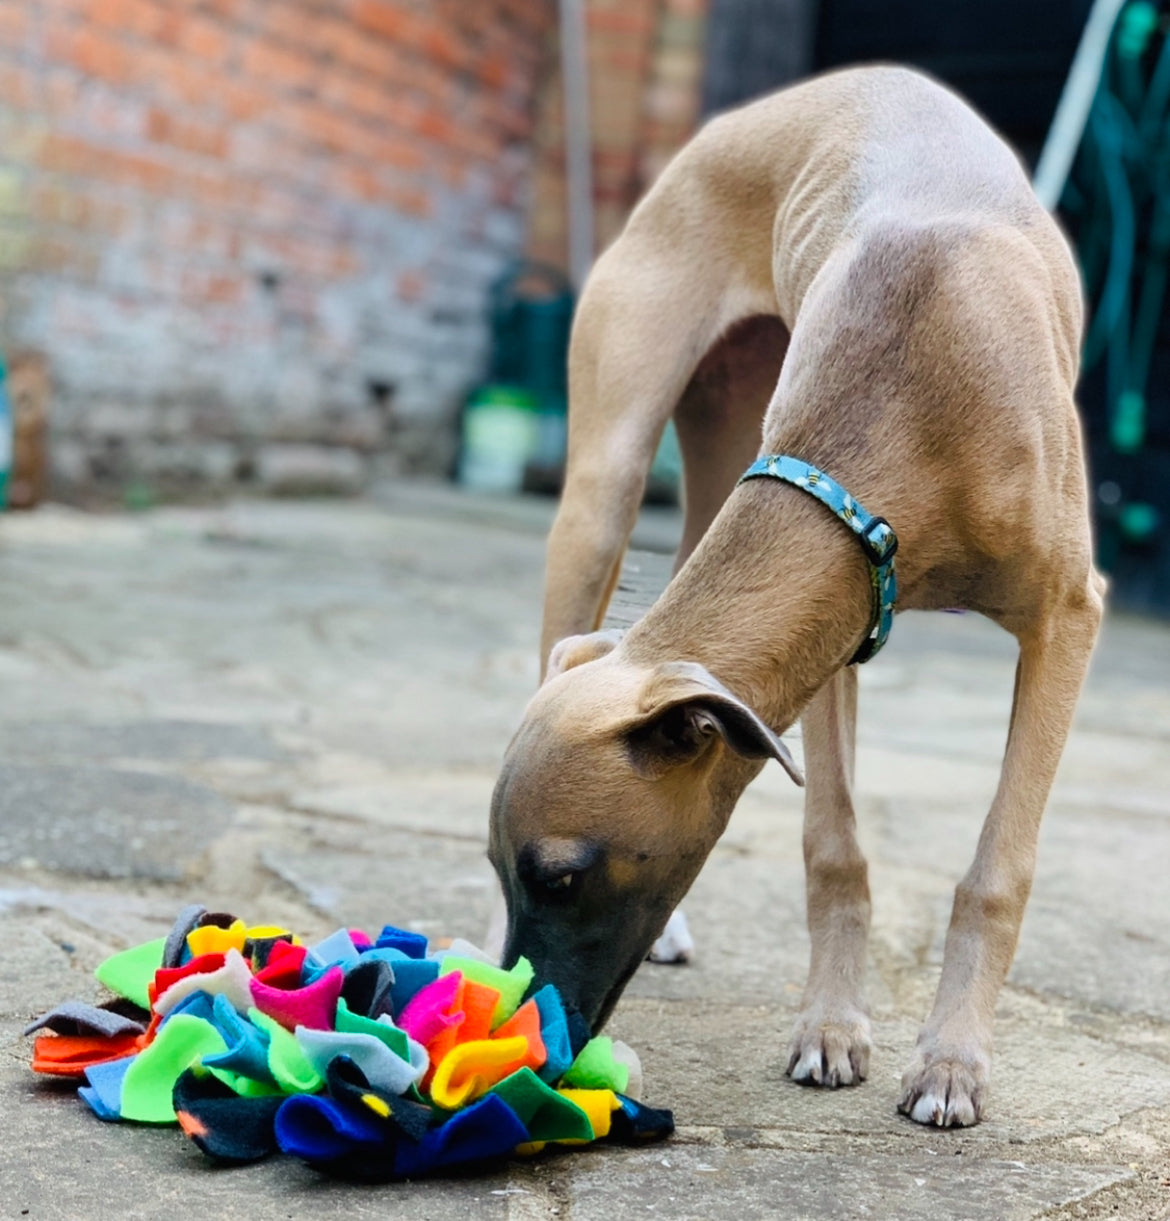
pixel 875 534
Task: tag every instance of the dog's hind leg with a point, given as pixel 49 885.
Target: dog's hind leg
pixel 831 1041
pixel 719 419
pixel 947 1079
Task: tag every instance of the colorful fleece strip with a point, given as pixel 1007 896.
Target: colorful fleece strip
pixel 370 1058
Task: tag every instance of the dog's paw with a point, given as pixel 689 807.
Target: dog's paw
pixel 676 945
pixel 830 1051
pixel 946 1089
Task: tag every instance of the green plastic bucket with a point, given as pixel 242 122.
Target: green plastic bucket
pixel 501 433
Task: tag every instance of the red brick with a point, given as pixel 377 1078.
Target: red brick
pixel 139 17
pixel 208 139
pixel 286 69
pixel 355 94
pixel 315 124
pixel 351 137
pixel 111 114
pixel 14 24
pixel 244 101
pixel 199 36
pixel 357 182
pixel 191 82
pixel 60 254
pixel 437 126
pixel 437 84
pixel 414 201
pixel 212 289
pixel 390 20
pixel 345 263
pixel 148 20
pixel 291 23
pixel 60 94
pixel 53 203
pixel 92 52
pixel 454 172
pixel 398 153
pixel 18 87
pixel 441 45
pixel 84 159
pixel 229 9
pixel 411 285
pixel 627 20
pixel 493 70
pixel 66 154
pixel 355 47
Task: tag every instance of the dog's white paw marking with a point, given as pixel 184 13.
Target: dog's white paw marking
pixel 945 1090
pixel 676 945
pixel 830 1051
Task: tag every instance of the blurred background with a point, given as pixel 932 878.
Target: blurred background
pixel 304 246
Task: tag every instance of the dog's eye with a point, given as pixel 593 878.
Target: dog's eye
pixel 555 888
pixel 556 870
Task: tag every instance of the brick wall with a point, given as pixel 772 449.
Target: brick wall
pixel 645 69
pixel 241 228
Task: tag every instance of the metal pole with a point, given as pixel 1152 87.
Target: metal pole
pixel 578 140
pixel 1072 113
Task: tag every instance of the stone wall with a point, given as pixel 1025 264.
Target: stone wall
pixel 252 238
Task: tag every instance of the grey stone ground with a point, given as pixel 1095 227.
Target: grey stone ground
pixel 295 711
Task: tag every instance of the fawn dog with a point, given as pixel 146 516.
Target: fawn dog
pixel 860 262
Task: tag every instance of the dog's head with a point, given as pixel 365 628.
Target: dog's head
pixel 613 792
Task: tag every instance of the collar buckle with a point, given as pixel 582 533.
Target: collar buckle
pixel 878 541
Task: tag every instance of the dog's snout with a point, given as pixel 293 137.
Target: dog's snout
pixel 588 960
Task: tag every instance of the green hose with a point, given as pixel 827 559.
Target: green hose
pixel 1121 199
pixel 1105 127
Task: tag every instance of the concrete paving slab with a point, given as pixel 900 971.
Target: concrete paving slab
pixel 383 878
pixel 161 740
pixel 106 822
pixel 725 1062
pixel 337 681
pixel 685 1183
pixel 61 1164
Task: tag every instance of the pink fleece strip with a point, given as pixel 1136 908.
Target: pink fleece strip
pixel 314 1006
pixel 427 1013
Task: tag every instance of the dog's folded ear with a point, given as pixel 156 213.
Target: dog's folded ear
pixel 577 650
pixel 683 708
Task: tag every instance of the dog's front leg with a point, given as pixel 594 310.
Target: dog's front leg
pixel 587 543
pixel 831 1041
pixel 946 1082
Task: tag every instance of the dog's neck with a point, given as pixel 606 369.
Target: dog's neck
pixel 774 625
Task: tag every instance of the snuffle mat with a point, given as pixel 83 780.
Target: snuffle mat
pixel 371 1058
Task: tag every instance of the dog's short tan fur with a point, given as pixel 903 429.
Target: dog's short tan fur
pixel 869 234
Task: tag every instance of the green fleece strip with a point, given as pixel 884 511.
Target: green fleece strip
pixel 546 1114
pixel 287 1063
pixel 595 1068
pixel 150 1081
pixel 511 985
pixel 357 1023
pixel 245 1087
pixel 131 972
